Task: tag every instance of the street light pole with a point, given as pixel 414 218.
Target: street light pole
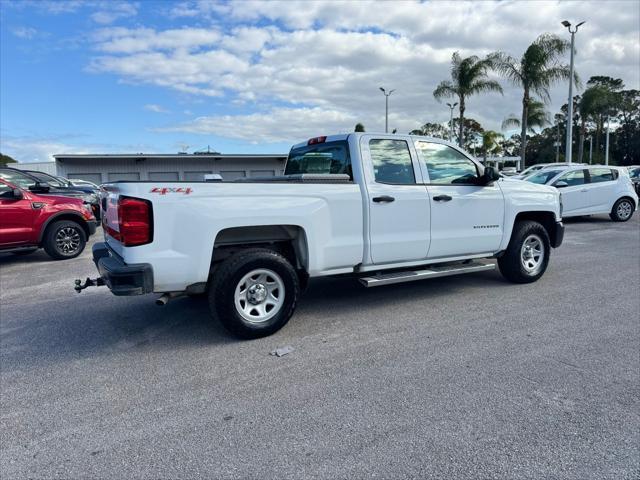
pixel 568 153
pixel 606 148
pixel 590 148
pixel 558 143
pixel 386 108
pixel 451 107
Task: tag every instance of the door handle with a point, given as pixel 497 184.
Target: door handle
pixel 383 199
pixel 442 198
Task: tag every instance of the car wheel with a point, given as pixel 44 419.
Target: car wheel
pixel 622 210
pixel 254 292
pixel 24 252
pixel 527 255
pixel 64 239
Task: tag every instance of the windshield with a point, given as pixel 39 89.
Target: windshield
pixel 531 169
pixel 43 177
pixel 543 177
pixel 332 157
pixel 18 178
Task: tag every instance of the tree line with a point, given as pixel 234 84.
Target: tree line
pixel 604 101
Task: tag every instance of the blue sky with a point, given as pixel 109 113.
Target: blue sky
pixel 159 76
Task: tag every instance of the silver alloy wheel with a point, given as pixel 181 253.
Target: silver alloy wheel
pixel 259 295
pixel 68 240
pixel 624 210
pixel 532 254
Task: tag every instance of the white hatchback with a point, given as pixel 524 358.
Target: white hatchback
pixel 591 190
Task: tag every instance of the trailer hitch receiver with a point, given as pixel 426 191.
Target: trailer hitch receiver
pixel 88 283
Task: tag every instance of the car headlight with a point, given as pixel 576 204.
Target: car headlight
pixel 90 198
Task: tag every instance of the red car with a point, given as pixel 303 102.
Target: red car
pixel 29 220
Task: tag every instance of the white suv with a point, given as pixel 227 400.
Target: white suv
pixel 591 190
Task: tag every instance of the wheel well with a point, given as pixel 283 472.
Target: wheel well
pixel 288 240
pixel 628 198
pixel 65 216
pixel 546 219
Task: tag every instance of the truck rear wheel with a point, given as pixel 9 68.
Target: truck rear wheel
pixel 64 239
pixel 254 292
pixel 527 255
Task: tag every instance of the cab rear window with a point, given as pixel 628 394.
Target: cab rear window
pixel 331 157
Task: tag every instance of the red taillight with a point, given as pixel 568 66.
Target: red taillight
pixel 314 141
pixel 134 221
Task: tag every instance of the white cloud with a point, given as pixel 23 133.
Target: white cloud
pixel 38 149
pixel 24 32
pixel 277 125
pixel 152 107
pixel 324 61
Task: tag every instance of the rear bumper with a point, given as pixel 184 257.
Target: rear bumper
pixel 122 278
pixel 558 235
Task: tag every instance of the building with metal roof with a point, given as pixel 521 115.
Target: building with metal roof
pixel 102 168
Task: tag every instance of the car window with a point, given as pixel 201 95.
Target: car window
pixel 634 172
pixel 447 166
pixel 598 175
pixel 543 176
pixel 43 177
pixel 574 177
pixel 17 178
pixel 392 162
pixel 5 191
pixel 320 158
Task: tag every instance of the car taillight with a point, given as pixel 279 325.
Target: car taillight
pixel 135 221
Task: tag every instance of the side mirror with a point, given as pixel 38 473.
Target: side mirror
pixel 560 184
pixel 40 187
pixel 490 175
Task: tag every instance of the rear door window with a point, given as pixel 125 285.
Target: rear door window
pixel 392 162
pixel 599 175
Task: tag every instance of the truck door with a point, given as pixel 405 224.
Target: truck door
pixel 399 217
pixel 16 218
pixel 466 217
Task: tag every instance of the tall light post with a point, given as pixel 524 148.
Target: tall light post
pixel 590 148
pixel 451 107
pixel 568 153
pixel 606 148
pixel 557 142
pixel 386 108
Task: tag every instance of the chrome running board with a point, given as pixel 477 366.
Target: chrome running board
pixel 431 272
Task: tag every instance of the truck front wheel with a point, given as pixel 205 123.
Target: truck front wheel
pixel 254 292
pixel 527 255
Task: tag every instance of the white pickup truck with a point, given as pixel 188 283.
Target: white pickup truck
pixel 382 208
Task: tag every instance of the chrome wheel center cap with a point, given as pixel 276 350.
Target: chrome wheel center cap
pixel 256 293
pixel 527 253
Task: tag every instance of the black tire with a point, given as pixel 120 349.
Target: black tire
pixel 22 253
pixel 622 210
pixel 227 277
pixel 56 250
pixel 513 265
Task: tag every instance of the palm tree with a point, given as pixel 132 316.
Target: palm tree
pixel 490 142
pixel 536 71
pixel 537 117
pixel 468 77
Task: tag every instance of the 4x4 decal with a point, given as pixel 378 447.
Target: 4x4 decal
pixel 165 190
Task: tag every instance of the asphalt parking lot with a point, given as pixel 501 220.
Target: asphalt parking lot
pixel 461 377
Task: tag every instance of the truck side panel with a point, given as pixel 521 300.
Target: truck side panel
pixel 187 224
